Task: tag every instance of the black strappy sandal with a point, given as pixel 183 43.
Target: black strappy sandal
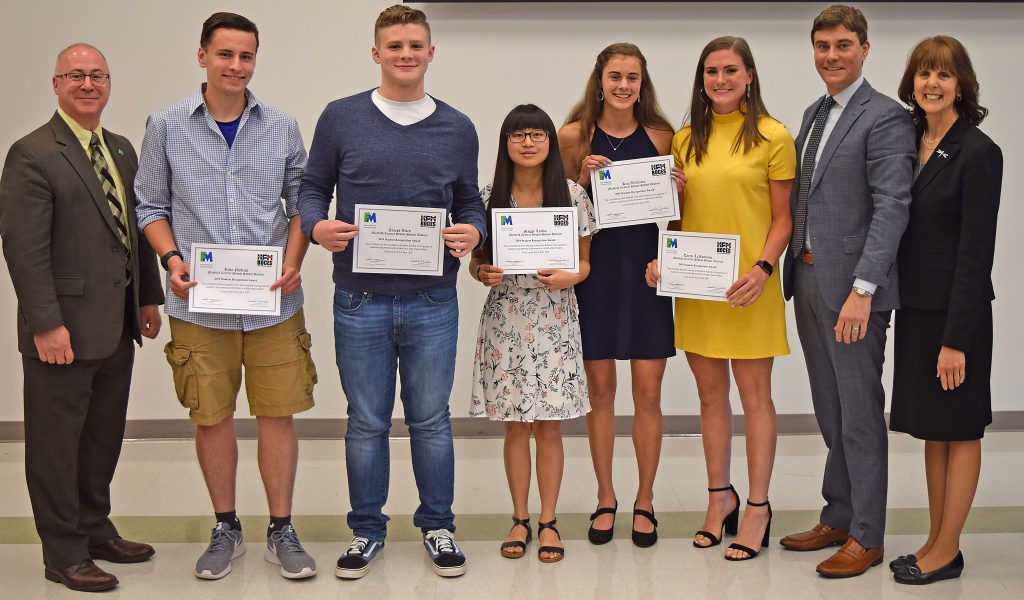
pixel 505 546
pixel 730 525
pixel 751 553
pixel 558 552
pixel 643 539
pixel 602 536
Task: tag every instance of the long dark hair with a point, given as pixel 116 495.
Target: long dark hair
pixel 647 111
pixel 555 190
pixel 943 52
pixel 700 106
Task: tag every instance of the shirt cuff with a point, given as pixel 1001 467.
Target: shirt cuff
pixel 865 285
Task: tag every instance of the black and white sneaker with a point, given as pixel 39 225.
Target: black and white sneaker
pixel 448 559
pixel 356 561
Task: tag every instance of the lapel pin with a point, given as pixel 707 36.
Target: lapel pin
pixel 941 153
pixel 120 151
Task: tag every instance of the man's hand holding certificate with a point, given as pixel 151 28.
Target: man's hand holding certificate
pixel 399 240
pixel 526 240
pixel 630 192
pixel 236 280
pixel 701 266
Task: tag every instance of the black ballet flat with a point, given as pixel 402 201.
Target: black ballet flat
pixel 505 546
pixel 602 536
pixel 902 562
pixel 751 553
pixel 912 575
pixel 730 525
pixel 643 539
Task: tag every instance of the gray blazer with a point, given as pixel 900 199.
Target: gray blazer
pixel 859 201
pixel 61 246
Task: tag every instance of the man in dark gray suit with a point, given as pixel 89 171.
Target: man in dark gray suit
pixel 856 153
pixel 81 272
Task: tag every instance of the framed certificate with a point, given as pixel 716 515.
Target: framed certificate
pixel 524 240
pixel 701 266
pixel 630 192
pixel 399 240
pixel 235 280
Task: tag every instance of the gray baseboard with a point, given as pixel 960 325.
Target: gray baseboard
pixel 467 427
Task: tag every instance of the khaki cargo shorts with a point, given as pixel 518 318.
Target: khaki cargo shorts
pixel 207 366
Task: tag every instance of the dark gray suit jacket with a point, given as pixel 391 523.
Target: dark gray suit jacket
pixel 859 200
pixel 61 246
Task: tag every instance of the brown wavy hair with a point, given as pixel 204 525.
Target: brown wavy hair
pixel 400 15
pixel 847 16
pixel 943 52
pixel 752 106
pixel 587 110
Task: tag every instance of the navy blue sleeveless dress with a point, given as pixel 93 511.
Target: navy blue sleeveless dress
pixel 620 315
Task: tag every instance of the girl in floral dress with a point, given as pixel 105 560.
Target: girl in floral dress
pixel 528 371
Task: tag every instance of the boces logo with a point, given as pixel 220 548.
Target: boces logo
pixel 724 247
pixel 659 169
pixel 264 260
pixel 561 220
pixel 506 219
pixel 604 174
pixel 205 256
pixel 369 217
pixel 672 242
pixel 428 221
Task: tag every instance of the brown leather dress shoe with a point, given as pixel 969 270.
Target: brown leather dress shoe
pixel 822 536
pixel 850 560
pixel 82 576
pixel 120 550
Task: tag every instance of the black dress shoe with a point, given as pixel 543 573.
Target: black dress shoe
pixel 901 562
pixel 645 539
pixel 912 575
pixel 82 576
pixel 602 536
pixel 120 550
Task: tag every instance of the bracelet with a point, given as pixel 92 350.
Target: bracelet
pixel 765 266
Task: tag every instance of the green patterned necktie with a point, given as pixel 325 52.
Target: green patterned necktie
pixel 99 163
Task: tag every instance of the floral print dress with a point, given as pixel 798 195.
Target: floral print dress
pixel 529 358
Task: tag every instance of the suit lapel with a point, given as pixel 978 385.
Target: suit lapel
pixel 854 109
pixel 948 148
pixel 76 157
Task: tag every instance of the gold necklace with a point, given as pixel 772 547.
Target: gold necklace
pixel 931 143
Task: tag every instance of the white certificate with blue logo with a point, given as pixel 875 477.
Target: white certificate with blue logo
pixel 631 192
pixel 235 280
pixel 525 240
pixel 701 266
pixel 398 240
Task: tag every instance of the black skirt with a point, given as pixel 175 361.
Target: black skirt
pixel 920 406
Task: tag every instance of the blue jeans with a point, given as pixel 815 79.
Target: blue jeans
pixel 415 334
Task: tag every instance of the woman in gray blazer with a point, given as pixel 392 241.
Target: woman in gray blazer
pixel 943 351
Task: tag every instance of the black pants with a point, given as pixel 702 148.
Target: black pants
pixel 74 425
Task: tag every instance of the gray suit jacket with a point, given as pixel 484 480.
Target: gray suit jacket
pixel 859 200
pixel 61 246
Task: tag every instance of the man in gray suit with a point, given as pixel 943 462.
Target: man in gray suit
pixel 856 155
pixel 81 272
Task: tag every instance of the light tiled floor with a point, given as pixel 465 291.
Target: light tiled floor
pixel 159 496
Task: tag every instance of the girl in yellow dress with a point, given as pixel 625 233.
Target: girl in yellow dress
pixel 739 165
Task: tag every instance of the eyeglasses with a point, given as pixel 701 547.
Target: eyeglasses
pixel 98 79
pixel 536 136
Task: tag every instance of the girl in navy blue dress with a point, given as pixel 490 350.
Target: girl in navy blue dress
pixel 621 318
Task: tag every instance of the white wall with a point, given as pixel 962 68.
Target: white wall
pixel 490 58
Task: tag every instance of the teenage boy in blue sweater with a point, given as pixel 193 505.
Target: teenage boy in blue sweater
pixel 396 145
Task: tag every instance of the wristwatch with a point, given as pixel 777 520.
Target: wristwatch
pixel 167 257
pixel 863 293
pixel 765 266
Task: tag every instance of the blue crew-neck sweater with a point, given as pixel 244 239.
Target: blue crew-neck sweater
pixel 364 157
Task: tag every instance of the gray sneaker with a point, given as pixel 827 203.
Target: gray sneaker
pixel 284 549
pixel 225 546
